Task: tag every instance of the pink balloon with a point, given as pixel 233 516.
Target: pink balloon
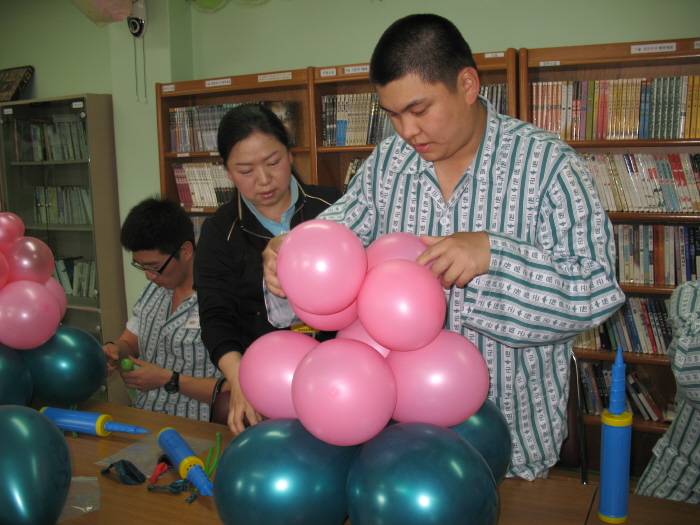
pixel 267 368
pixel 10 230
pixel 57 290
pixel 328 322
pixel 357 331
pixel 4 270
pixel 443 383
pixel 397 245
pixel 29 315
pixel 15 218
pixel 30 260
pixel 320 266
pixel 344 392
pixel 401 305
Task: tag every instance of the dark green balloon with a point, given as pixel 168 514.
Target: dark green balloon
pixel 418 473
pixel 68 368
pixel 15 379
pixel 488 432
pixel 277 473
pixel 35 465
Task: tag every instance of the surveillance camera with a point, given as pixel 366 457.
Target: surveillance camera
pixel 137 18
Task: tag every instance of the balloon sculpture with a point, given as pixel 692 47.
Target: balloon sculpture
pixel 393 384
pixel 60 364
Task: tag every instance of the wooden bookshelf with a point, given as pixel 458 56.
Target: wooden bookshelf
pixel 653 59
pixel 317 164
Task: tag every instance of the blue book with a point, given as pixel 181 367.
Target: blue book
pixel 631 328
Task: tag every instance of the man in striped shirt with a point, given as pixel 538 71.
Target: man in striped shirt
pixel 511 217
pixel 163 336
pixel 674 470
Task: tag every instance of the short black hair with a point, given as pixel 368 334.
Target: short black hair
pixel 242 121
pixel 156 224
pixel 426 45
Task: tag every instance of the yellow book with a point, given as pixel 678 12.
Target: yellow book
pixel 688 128
pixel 696 108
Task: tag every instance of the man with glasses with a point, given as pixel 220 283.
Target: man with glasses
pixel 163 336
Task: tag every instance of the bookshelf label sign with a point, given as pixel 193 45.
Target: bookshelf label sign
pixel 500 54
pixel 218 82
pixel 653 48
pixel 7 111
pixel 78 104
pixel 548 63
pixel 328 72
pixel 271 77
pixel 353 70
pixel 696 44
pixel 169 88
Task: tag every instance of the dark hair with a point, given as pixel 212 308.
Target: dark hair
pixel 156 224
pixel 429 46
pixel 244 120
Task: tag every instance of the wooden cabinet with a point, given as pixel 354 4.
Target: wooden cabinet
pixel 622 62
pixel 59 176
pixel 316 163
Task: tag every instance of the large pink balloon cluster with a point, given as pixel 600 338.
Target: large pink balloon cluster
pixel 32 303
pixel 391 357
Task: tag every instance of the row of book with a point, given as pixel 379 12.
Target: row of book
pixel 202 184
pixel 195 128
pixel 353 119
pixel 640 326
pixel 497 95
pixel 356 119
pixel 62 205
pixel 657 254
pixel 643 182
pixel 627 108
pixel 77 276
pixel 641 396
pixel 57 138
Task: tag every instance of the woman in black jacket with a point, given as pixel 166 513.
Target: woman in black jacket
pixel 269 199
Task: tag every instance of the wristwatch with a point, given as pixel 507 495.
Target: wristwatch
pixel 173 386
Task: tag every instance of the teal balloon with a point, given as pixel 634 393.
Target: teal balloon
pixel 419 473
pixel 277 473
pixel 68 368
pixel 15 379
pixel 488 432
pixel 36 467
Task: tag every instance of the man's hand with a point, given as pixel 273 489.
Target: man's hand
pixel 269 256
pixel 148 377
pixel 457 258
pixel 112 354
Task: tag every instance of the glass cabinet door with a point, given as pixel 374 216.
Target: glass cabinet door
pixel 47 183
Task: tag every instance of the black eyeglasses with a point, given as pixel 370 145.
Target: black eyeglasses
pixel 160 270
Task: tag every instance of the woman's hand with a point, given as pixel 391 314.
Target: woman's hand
pixel 269 256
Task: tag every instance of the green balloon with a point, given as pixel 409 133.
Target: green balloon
pixel 15 379
pixel 418 473
pixel 488 432
pixel 36 467
pixel 68 368
pixel 277 473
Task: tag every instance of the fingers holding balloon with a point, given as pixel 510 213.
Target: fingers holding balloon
pixel 270 265
pixel 457 258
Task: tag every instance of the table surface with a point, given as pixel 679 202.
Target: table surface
pixel 542 501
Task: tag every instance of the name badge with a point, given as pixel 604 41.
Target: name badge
pixel 192 322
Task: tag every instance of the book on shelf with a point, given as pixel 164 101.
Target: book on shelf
pixel 618 109
pixel 202 184
pixel 62 205
pixel 13 81
pixel 194 128
pixel 497 95
pixel 639 326
pixel 58 138
pixel 353 166
pixel 353 120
